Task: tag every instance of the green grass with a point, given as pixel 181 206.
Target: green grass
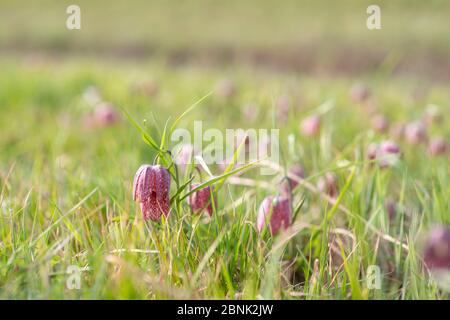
pixel 66 191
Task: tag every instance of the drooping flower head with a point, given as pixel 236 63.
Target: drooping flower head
pixel 391 208
pixel 387 153
pixel 149 88
pixel 398 130
pixel 437 146
pixel 289 184
pixel 310 126
pixel 250 111
pixel 105 114
pixel 276 211
pixel 436 253
pixel 359 93
pixel 415 133
pixel 151 188
pixel 328 185
pixel 226 88
pixel 202 199
pixel 282 107
pixel 380 123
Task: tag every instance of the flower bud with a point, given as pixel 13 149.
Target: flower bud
pixel 359 93
pixel 415 133
pixel 328 185
pixel 289 184
pixel 437 146
pixel 250 112
pixel 398 130
pixel 276 211
pixel 202 199
pixel 310 126
pixel 151 188
pixel 437 248
pixel 380 123
pixel 282 106
pixel 388 153
pixel 105 114
pixel 226 89
pixel 391 208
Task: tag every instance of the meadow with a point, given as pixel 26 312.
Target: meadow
pixel 66 183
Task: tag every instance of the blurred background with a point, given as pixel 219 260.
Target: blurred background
pixel 318 37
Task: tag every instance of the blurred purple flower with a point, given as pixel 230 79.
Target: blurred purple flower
pixel 310 126
pixel 282 107
pixel 276 211
pixel 437 147
pixel 289 184
pixel 202 199
pixel 415 133
pixel 380 123
pixel 398 130
pixel 436 254
pixel 328 185
pixel 226 88
pixel 359 93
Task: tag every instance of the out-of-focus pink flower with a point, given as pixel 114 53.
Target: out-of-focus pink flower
pixel 372 151
pixel 328 185
pixel 151 188
pixel 437 248
pixel 105 114
pixel 226 88
pixel 391 208
pixel 415 133
pixel 359 93
pixel 398 130
pixel 310 126
pixel 202 199
pixel 387 153
pixel 437 146
pixel 148 88
pixel 289 184
pixel 250 112
pixel 380 123
pixel 276 211
pixel 282 107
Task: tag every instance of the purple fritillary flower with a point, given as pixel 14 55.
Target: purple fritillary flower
pixel 437 147
pixel 278 209
pixel 201 200
pixel 436 253
pixel 151 188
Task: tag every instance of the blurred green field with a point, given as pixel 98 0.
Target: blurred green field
pixel 66 191
pixel 66 188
